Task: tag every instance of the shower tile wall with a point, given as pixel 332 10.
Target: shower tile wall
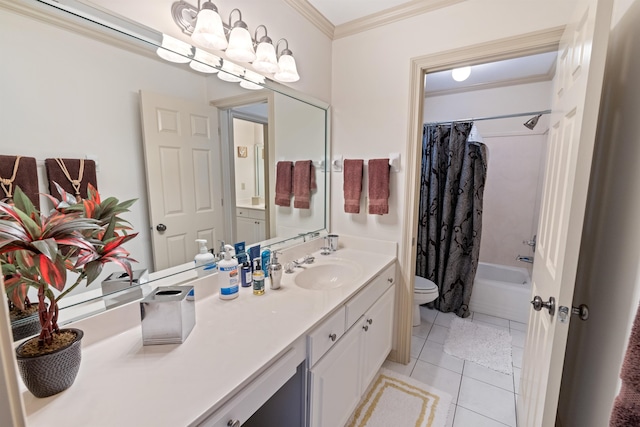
pixel 515 164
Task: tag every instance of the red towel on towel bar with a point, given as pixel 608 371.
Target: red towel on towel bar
pixel 352 186
pixel 283 183
pixel 378 171
pixel 304 182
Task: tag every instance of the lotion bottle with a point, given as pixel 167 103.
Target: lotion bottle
pixel 205 261
pixel 228 275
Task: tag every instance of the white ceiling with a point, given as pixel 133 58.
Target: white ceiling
pixel 538 67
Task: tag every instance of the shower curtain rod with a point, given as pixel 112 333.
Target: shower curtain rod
pixel 504 116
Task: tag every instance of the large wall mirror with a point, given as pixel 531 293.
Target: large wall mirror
pixel 74 88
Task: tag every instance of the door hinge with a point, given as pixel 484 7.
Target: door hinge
pixel 413 241
pixel 221 202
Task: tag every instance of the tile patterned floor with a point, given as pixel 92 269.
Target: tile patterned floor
pixel 481 397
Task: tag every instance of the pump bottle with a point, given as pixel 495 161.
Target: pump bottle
pixel 204 261
pixel 228 275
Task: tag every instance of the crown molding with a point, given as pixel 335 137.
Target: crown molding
pixel 304 8
pixel 387 16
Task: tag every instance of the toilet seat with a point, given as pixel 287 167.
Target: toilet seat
pixel 424 286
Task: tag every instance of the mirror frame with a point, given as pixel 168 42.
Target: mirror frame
pixel 77 17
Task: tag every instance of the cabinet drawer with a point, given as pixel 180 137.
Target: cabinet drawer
pixel 250 213
pixel 256 393
pixel 325 336
pixel 364 299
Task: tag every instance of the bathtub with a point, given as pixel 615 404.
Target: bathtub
pixel 502 291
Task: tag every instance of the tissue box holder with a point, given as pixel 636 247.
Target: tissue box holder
pixel 168 315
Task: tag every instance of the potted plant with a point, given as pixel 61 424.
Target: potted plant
pixel 37 251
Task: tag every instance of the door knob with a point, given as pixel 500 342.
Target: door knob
pixel 582 311
pixel 161 227
pixel 550 305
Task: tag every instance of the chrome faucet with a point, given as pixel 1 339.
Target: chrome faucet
pixel 525 258
pixel 531 243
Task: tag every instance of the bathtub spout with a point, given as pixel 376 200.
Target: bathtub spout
pixel 525 258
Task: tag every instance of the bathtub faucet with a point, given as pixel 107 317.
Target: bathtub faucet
pixel 525 258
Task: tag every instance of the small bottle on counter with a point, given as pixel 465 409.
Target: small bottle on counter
pixel 258 278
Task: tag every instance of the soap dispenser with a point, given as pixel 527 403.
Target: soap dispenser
pixel 228 275
pixel 204 261
pixel 275 271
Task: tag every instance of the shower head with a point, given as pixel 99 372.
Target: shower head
pixel 532 122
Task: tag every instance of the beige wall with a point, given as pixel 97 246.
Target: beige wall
pixel 609 277
pixel 370 87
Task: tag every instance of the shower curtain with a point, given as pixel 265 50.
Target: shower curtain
pixel 450 213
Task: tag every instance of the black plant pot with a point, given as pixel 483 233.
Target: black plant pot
pixel 51 373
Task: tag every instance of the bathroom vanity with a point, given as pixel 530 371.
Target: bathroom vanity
pixel 300 355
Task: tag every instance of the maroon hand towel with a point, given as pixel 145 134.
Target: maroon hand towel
pixel 26 177
pixel 626 407
pixel 55 174
pixel 304 181
pixel 379 186
pixel 352 186
pixel 283 183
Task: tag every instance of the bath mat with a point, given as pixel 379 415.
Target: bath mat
pixel 396 400
pixel 484 345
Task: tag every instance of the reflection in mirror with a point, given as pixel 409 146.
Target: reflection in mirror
pixel 76 94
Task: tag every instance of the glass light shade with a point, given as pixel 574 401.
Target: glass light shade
pixel 205 62
pixel 266 61
pixel 461 74
pixel 174 50
pixel 251 80
pixel 287 71
pixel 209 31
pixel 240 45
pixel 230 72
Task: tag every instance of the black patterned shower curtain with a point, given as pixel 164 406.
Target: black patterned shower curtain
pixel 450 213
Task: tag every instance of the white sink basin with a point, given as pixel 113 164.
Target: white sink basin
pixel 327 275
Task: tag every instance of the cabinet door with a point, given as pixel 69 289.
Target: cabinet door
pixel 378 334
pixel 245 230
pixel 335 381
pixel 260 230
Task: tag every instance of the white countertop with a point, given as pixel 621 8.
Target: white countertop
pixel 123 383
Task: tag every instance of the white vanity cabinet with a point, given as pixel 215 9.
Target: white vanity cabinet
pixel 340 373
pixel 250 225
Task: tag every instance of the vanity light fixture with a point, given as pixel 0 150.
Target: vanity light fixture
pixel 209 31
pixel 287 70
pixel 230 72
pixel 174 50
pixel 461 74
pixel 240 43
pixel 204 24
pixel 252 80
pixel 266 59
pixel 205 62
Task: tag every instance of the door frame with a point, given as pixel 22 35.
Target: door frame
pixel 511 47
pixel 224 106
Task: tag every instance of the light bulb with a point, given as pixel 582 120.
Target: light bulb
pixel 240 45
pixel 266 61
pixel 209 31
pixel 461 74
pixel 251 80
pixel 287 71
pixel 230 72
pixel 205 62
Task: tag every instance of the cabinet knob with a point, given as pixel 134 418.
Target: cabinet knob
pixel 333 337
pixel 370 321
pixel 234 423
pixel 390 280
pixel 366 328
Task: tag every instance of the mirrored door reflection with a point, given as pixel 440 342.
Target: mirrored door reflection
pixel 250 135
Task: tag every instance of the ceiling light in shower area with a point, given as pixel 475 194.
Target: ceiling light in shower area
pixel 461 74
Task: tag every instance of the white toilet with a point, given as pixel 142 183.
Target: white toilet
pixel 424 291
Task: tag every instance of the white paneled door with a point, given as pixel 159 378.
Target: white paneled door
pixel 182 154
pixel 575 105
